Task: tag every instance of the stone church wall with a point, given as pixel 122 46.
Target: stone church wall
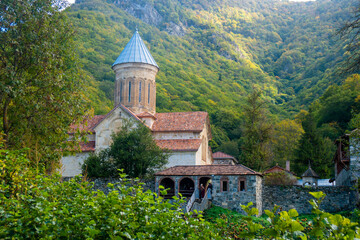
pixel 71 165
pixel 181 158
pixel 297 197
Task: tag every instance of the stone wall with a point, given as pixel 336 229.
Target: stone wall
pixel 233 198
pixel 297 197
pixel 102 184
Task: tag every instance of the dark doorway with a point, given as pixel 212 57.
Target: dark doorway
pixel 204 181
pixel 168 184
pixel 186 187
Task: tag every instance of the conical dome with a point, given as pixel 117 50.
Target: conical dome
pixel 135 52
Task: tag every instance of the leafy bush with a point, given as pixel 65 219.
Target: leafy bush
pixel 133 149
pixel 43 207
pixel 280 178
pixel 287 225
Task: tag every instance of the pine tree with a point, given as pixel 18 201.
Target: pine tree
pixel 314 148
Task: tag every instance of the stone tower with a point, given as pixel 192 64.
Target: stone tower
pixel 135 71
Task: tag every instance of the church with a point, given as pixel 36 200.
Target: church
pixel 186 134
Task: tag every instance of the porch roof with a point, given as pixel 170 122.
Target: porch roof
pixel 206 170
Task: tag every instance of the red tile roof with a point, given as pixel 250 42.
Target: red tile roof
pixel 221 155
pixel 277 168
pixel 87 124
pixel 180 145
pixel 145 115
pixel 180 122
pixel 206 170
pixel 87 147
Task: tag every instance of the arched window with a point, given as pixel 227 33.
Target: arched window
pixel 129 91
pixel 186 187
pixel 168 184
pixel 139 91
pixel 148 94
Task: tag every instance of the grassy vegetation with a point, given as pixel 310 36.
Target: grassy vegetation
pixel 233 223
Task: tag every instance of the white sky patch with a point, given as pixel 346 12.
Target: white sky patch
pixel 71 1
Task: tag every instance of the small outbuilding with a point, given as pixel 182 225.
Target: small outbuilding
pixel 310 178
pixel 232 185
pixel 223 158
pixel 277 175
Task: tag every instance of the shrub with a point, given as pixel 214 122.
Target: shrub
pixel 280 178
pixel 36 206
pixel 133 149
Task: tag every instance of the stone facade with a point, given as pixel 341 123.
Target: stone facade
pixel 232 185
pixel 102 184
pixel 135 86
pixel 297 197
pixel 234 198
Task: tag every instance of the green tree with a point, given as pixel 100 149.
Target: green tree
pixel 133 149
pixel 285 140
pixel 314 148
pixel 40 81
pixel 256 133
pixel 350 32
pixel 41 206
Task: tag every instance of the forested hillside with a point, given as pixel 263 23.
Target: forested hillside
pixel 212 54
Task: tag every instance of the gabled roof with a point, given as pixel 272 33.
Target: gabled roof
pixel 277 168
pixel 206 170
pixel 87 147
pixel 145 115
pixel 123 108
pixel 180 145
pixel 180 122
pixel 221 155
pixel 90 124
pixel 135 52
pixel 87 124
pixel 310 173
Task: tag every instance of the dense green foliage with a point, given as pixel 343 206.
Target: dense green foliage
pixel 41 87
pixel 277 224
pixel 220 48
pixel 36 206
pixel 256 132
pixel 212 53
pixel 313 149
pixel 133 149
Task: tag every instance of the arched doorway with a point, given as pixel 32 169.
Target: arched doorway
pixel 186 187
pixel 168 184
pixel 204 181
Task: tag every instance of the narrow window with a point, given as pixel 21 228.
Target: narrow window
pixel 148 94
pixel 120 91
pixel 224 186
pixel 140 92
pixel 242 184
pixel 129 91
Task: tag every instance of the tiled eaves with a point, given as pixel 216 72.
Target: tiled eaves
pixel 206 170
